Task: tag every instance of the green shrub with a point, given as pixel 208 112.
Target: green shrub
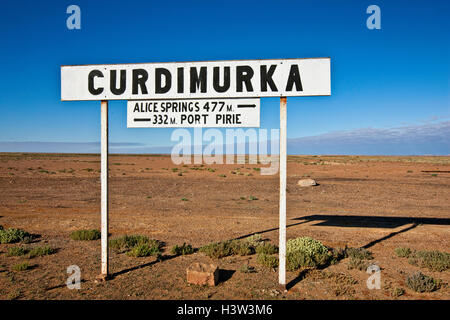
pixel 433 260
pixel 306 252
pixel 227 248
pixel 22 266
pixel 1 227
pixel 422 283
pixel 254 240
pixel 241 248
pixel 127 242
pixel 397 292
pixel 307 245
pixel 402 252
pixel 268 261
pixel 338 254
pixel 244 247
pixel 12 235
pixel 16 251
pixel 299 259
pixel 359 253
pixel 182 250
pixel 218 250
pixel 85 235
pixel 41 251
pixel 359 264
pixel 139 244
pixel 144 250
pixel 267 248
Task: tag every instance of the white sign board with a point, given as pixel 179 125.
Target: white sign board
pixel 188 80
pixel 206 113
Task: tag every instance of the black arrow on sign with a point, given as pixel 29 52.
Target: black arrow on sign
pixel 246 105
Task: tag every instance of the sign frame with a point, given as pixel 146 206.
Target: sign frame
pixel 324 90
pixel 246 79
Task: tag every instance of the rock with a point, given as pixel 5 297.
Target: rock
pixel 307 182
pixel 203 274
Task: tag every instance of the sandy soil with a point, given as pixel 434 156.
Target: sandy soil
pixel 377 202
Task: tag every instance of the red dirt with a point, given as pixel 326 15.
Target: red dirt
pixel 389 200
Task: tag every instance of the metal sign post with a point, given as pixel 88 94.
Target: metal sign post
pixel 104 189
pixel 283 160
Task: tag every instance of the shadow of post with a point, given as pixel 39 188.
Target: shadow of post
pixel 148 264
pixel 392 234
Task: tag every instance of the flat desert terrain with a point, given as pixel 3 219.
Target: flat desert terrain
pixel 379 203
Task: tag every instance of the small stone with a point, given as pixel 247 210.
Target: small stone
pixel 202 274
pixel 306 182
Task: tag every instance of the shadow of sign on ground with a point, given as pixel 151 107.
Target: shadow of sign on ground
pixel 360 221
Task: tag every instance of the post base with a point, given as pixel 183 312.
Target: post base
pixel 282 287
pixel 102 277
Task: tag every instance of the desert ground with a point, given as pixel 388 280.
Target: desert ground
pixel 379 203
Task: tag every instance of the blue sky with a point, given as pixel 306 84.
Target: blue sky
pixel 391 80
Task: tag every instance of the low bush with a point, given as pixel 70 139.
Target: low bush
pixel 341 283
pixel 244 247
pixel 41 251
pixel 432 260
pixel 21 266
pixel 359 253
pixel 267 248
pixel 402 252
pixel 397 292
pixel 422 283
pixel 12 235
pixel 182 250
pixel 268 261
pixel 241 248
pixel 254 240
pixel 16 251
pixel 338 254
pixel 307 253
pixel 359 264
pixel 218 250
pixel 136 245
pixel 144 250
pixel 85 235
